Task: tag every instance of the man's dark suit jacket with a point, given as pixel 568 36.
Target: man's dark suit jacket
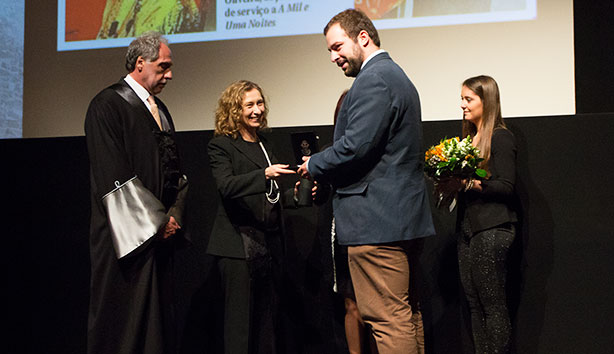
pixel 375 163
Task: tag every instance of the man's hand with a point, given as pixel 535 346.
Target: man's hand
pixel 303 169
pixel 170 228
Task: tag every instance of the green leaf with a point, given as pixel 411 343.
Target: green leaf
pixel 480 172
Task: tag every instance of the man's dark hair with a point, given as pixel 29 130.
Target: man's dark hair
pixel 353 21
pixel 147 46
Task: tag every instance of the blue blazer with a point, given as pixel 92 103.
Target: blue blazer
pixel 375 162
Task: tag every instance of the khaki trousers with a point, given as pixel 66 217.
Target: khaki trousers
pixel 381 278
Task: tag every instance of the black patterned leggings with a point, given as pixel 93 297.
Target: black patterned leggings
pixel 482 261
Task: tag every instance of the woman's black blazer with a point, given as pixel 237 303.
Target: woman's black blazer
pixel 238 170
pixel 494 205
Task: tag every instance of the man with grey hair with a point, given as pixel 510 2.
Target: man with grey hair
pixel 137 194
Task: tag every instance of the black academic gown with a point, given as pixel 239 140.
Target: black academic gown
pixel 130 301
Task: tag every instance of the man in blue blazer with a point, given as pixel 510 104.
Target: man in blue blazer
pixel 381 205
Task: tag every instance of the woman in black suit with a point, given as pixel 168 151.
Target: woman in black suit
pixel 486 216
pixel 247 231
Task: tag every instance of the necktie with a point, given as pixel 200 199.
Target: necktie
pixel 154 110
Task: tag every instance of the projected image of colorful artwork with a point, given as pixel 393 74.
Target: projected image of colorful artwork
pixel 104 19
pixel 390 9
pixel 88 24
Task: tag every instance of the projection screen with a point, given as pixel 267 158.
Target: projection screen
pixel 526 45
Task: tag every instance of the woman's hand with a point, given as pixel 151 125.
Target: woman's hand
pixel 474 185
pixel 277 170
pixel 452 185
pixel 314 189
pixel 449 185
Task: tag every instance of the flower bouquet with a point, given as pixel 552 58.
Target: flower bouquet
pixel 452 158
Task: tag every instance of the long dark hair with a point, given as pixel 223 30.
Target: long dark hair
pixel 339 103
pixel 487 89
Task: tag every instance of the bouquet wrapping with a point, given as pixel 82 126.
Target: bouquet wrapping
pixel 452 158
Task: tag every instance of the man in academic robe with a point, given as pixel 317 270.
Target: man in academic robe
pixel 137 194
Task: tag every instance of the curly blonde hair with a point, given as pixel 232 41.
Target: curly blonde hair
pixel 228 113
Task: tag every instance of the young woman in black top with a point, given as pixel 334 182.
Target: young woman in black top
pixel 486 216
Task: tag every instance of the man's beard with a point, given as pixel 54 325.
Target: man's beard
pixel 354 63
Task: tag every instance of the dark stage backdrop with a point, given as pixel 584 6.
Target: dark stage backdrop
pixel 562 289
pixel 562 286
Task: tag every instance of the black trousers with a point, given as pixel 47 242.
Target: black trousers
pixel 482 261
pixel 251 303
